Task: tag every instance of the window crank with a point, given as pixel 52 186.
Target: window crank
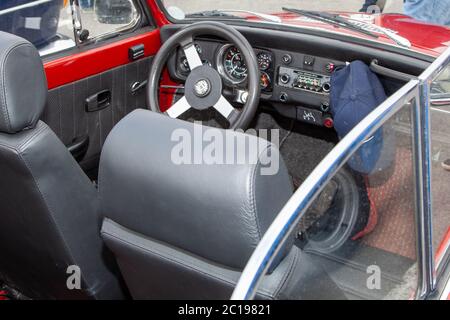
pixel 136 86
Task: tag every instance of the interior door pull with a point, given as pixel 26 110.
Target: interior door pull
pixel 137 86
pixel 98 101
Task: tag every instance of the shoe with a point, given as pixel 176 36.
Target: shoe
pixel 446 164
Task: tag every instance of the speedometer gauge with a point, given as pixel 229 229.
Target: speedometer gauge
pixel 234 64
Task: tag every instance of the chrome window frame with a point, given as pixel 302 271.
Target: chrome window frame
pixel 293 211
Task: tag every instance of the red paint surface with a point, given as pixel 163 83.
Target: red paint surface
pixel 84 64
pixel 158 16
pixel 443 246
pixel 424 37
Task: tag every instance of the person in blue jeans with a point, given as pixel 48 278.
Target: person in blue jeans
pixel 369 3
pixel 85 4
pixel 433 11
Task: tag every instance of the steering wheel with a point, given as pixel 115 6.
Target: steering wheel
pixel 204 86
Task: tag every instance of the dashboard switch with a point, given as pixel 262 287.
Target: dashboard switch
pixel 328 122
pixel 330 67
pixel 309 61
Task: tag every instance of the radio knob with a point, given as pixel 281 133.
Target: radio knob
pixel 285 78
pixel 326 87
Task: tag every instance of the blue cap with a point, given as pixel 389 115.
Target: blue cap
pixel 355 92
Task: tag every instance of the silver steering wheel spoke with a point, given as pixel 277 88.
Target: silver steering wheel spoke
pixel 225 108
pixel 192 56
pixel 177 109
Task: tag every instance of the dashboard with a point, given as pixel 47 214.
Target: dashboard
pixel 297 85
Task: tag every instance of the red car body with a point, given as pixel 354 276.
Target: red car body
pixel 425 38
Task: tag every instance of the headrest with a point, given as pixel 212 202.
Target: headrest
pixel 218 212
pixel 23 85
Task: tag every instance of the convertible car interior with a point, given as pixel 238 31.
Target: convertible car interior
pixel 87 177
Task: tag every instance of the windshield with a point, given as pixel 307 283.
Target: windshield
pixel 275 6
pixel 429 11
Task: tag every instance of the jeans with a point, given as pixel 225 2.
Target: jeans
pixel 86 3
pixel 433 11
pixel 367 4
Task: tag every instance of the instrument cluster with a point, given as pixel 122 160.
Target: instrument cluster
pixel 233 68
pixel 231 65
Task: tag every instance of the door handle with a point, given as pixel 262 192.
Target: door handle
pixel 137 86
pixel 98 101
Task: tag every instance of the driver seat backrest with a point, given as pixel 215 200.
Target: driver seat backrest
pixel 48 207
pixel 186 231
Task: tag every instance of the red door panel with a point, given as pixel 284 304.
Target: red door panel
pixel 97 60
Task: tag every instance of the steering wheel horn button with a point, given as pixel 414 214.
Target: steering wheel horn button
pixel 202 88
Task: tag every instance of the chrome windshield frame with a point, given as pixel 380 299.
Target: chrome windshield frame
pixel 293 211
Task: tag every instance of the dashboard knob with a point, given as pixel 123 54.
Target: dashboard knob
pixel 284 97
pixel 285 78
pixel 325 106
pixel 326 87
pixel 287 59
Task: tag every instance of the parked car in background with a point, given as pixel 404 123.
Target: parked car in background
pixel 113 11
pixel 36 21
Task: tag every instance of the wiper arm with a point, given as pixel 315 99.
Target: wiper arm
pixel 225 13
pixel 331 19
pixel 393 36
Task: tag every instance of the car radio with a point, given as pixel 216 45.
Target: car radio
pixel 304 80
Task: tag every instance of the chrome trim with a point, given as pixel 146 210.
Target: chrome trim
pixel 23 6
pixel 422 170
pixel 221 67
pixel 429 273
pixel 295 208
pixel 445 295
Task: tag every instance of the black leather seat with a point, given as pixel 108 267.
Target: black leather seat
pixel 187 231
pixel 48 207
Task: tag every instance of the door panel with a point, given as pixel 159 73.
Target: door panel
pixel 66 111
pixel 80 65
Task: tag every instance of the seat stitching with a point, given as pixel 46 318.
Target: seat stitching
pixel 33 136
pixel 51 217
pixel 253 199
pixel 5 110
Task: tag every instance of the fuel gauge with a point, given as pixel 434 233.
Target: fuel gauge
pixel 264 81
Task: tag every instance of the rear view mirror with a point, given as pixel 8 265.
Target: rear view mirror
pixel 114 11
